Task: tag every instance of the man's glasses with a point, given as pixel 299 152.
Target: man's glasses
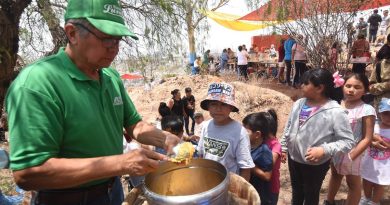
pixel 106 42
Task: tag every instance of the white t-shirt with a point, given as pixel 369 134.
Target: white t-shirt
pixel 376 163
pixel 196 64
pixel 355 116
pixel 385 22
pixel 227 144
pixel 242 58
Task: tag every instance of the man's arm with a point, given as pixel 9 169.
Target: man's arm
pixel 59 173
pixel 148 134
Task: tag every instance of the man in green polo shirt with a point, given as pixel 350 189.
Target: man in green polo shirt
pixel 67 113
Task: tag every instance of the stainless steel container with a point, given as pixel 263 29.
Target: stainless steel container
pixel 200 182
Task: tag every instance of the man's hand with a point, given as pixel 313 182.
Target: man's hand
pixel 147 134
pixel 171 140
pixel 314 154
pixel 141 161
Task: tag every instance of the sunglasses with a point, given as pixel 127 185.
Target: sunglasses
pixel 106 42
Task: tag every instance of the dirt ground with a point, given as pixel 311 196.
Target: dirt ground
pixel 253 96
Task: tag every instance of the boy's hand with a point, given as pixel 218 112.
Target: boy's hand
pixel 194 138
pixel 283 157
pixel 191 138
pixel 314 154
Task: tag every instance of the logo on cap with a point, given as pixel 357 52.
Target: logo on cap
pixel 220 89
pixel 113 10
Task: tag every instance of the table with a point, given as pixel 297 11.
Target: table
pixel 265 68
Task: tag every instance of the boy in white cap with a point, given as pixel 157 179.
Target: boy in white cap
pixel 223 139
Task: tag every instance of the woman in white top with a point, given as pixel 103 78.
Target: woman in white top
pixel 299 60
pixel 242 62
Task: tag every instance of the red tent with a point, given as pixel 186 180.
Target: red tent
pixel 265 41
pixel 297 9
pixel 128 76
pixel 375 4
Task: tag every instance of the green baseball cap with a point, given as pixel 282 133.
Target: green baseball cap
pixel 104 15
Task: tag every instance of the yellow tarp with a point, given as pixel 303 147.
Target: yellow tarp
pixel 230 21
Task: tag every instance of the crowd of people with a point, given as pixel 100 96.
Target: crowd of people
pixel 70 133
pixel 292 54
pixel 353 140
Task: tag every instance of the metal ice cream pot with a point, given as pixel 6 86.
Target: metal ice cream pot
pixel 200 182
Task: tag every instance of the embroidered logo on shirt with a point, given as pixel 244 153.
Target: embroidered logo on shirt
pixel 215 147
pixel 118 100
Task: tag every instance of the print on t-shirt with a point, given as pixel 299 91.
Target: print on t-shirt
pixel 380 154
pixel 215 147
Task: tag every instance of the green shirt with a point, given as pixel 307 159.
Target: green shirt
pixel 206 57
pixel 56 111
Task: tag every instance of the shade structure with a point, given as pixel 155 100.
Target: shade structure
pixel 276 10
pixel 129 76
pixel 375 4
pixel 230 21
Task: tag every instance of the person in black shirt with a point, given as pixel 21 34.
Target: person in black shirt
pixel 374 21
pixel 384 52
pixel 176 104
pixel 189 109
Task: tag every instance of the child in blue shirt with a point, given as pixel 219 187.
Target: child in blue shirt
pixel 258 130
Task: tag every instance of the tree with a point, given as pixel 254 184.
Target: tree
pixel 10 13
pixel 39 30
pixel 191 13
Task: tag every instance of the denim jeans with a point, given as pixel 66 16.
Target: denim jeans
pixel 195 70
pixel 372 35
pixel 274 198
pixel 300 68
pixel 12 200
pixel 114 197
pixel 306 181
